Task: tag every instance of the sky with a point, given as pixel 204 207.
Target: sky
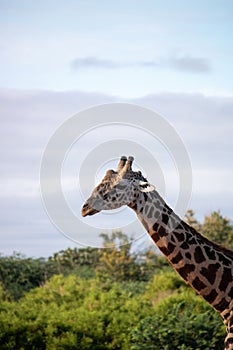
pixel 58 58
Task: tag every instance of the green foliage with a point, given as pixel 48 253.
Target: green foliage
pixel 191 220
pixel 219 229
pixel 162 285
pixel 86 314
pixel 116 239
pixel 3 294
pixel 117 261
pixel 112 298
pixel 69 313
pixel 180 321
pixel 18 274
pixel 152 263
pixel 75 259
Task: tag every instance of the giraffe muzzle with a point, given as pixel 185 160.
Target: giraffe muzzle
pixel 86 210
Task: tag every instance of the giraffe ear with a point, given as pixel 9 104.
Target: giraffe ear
pixel 146 186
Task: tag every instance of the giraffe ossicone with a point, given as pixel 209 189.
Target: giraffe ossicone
pixel 204 265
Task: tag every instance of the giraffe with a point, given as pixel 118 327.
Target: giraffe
pixel 204 265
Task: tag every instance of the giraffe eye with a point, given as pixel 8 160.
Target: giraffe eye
pixel 145 186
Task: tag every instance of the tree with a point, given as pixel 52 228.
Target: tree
pixel 19 274
pixel 117 262
pixel 216 227
pixel 4 296
pixel 219 229
pixel 192 221
pixel 151 263
pixel 79 261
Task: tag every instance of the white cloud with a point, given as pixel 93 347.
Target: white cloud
pixel 190 64
pixel 93 62
pixel 185 63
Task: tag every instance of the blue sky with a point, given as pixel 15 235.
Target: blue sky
pixel 59 57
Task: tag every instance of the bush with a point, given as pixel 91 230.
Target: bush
pixel 181 321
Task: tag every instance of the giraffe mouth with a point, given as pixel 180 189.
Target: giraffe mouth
pixel 86 210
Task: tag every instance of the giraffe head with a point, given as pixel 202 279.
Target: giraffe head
pixel 120 187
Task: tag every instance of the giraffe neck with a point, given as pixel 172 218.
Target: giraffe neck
pixel 205 266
